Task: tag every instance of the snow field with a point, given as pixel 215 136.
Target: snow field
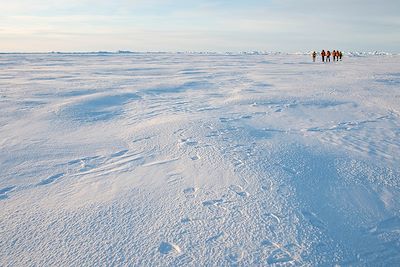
pixel 199 160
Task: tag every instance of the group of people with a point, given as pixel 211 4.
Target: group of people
pixel 336 55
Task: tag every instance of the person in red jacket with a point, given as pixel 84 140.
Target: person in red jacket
pixel 323 55
pixel 328 56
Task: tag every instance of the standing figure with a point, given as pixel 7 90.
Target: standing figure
pixel 340 55
pixel 334 55
pixel 328 56
pixel 323 55
pixel 314 55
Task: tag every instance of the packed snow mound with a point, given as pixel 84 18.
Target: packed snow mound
pixel 168 159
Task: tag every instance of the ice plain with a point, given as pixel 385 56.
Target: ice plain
pixel 164 159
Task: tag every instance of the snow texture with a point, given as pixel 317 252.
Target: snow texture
pixel 199 160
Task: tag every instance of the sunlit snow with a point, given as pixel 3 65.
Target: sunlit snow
pixel 158 159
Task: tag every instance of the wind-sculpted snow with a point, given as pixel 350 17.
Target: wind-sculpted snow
pixel 199 160
pixel 105 107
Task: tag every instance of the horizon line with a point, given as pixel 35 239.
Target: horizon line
pixel 249 52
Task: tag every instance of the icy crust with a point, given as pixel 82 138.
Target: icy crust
pixel 199 160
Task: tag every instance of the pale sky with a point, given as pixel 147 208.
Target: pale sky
pixel 187 25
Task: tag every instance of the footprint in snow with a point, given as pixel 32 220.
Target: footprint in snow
pixel 265 188
pixel 212 202
pixel 239 190
pixel 196 157
pixel 188 142
pixel 167 248
pixel 186 220
pixel 190 192
pixel 234 254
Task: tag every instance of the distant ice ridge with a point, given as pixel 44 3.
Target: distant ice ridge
pixel 353 54
pixel 347 53
pixel 374 53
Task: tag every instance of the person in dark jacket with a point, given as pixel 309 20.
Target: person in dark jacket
pixel 328 56
pixel 314 55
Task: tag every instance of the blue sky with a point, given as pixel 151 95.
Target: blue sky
pixel 219 25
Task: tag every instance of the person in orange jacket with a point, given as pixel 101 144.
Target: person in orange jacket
pixel 328 56
pixel 334 55
pixel 323 55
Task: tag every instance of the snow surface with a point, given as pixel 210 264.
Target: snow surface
pixel 199 160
